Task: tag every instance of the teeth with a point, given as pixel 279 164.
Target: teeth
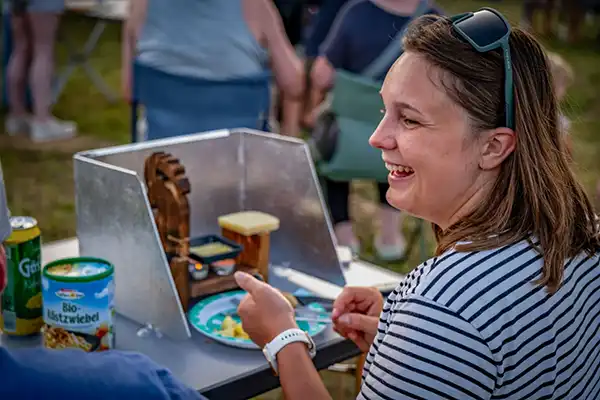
pixel 398 168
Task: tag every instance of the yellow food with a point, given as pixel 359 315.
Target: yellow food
pixel 230 328
pixel 211 249
pixel 249 223
pixel 35 301
pixel 291 299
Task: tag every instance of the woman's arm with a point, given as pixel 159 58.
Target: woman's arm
pixel 298 376
pixel 131 31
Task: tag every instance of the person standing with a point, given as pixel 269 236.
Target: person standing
pixel 34 25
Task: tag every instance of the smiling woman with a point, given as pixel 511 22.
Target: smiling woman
pixel 509 308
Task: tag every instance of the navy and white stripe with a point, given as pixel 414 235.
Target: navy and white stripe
pixel 473 325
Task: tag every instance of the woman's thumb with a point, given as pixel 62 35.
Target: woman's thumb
pixel 358 322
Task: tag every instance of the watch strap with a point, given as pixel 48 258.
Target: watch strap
pixel 285 338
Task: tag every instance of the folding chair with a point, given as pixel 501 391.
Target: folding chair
pixel 176 105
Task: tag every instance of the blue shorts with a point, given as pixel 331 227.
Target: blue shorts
pixel 41 6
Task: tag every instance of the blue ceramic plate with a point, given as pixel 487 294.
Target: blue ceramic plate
pixel 208 314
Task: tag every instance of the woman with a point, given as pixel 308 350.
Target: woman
pixel 34 25
pixel 509 308
pixel 362 30
pixel 244 38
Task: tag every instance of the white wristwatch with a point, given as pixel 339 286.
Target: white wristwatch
pixel 283 339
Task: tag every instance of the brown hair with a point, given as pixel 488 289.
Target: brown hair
pixel 536 194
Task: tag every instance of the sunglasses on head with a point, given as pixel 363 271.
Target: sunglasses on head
pixel 487 30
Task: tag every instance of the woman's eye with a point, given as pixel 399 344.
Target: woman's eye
pixel 409 122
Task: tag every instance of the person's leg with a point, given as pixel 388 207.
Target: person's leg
pixel 16 75
pixel 529 9
pixel 338 194
pixel 44 26
pixel 549 8
pixel 389 241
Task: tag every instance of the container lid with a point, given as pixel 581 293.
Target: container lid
pixel 22 223
pixel 78 269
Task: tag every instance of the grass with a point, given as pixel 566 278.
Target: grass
pixel 39 178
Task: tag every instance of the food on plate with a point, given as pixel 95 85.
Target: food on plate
pixel 291 299
pixel 233 329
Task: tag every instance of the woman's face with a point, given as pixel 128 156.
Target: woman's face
pixel 427 144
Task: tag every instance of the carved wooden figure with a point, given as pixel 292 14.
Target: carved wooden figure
pixel 168 188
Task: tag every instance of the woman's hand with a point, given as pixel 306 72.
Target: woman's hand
pixel 264 312
pixel 356 314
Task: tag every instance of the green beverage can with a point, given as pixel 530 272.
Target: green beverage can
pixel 22 299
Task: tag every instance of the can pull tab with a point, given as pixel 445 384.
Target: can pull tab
pixel 149 330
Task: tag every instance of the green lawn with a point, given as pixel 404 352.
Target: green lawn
pixel 39 178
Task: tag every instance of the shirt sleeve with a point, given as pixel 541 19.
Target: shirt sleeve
pixel 4 214
pixel 322 24
pixel 430 353
pixel 336 42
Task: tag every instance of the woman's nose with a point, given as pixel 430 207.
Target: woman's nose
pixel 381 139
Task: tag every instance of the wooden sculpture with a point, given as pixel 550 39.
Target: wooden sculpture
pixel 168 188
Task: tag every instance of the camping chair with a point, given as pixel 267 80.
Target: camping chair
pixel 177 105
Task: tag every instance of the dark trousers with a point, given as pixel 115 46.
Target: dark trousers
pixel 338 194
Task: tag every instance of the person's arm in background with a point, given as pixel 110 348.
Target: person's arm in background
pixel 285 63
pixel 332 55
pixel 132 28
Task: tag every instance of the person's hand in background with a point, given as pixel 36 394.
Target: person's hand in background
pixel 264 311
pixel 356 314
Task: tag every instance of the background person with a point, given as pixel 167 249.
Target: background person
pixel 361 32
pixel 34 24
pixel 214 39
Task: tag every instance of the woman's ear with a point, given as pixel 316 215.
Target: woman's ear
pixel 497 144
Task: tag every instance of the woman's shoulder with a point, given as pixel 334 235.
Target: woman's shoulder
pixel 456 277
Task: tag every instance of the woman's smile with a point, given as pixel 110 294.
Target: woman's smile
pixel 399 172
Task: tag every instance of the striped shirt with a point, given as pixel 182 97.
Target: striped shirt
pixel 473 325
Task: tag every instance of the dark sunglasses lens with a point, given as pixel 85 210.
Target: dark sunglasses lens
pixel 484 28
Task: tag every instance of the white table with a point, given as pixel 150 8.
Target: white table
pixel 102 12
pixel 215 370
